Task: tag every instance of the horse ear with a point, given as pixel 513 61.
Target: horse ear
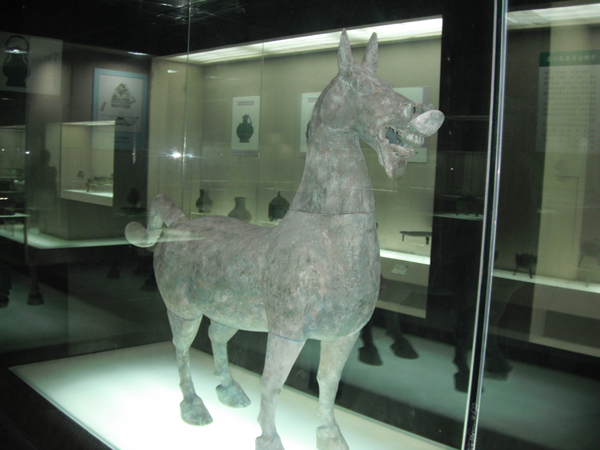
pixel 345 59
pixel 371 59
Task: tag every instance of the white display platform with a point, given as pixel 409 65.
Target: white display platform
pixel 129 399
pixel 43 241
pixel 81 195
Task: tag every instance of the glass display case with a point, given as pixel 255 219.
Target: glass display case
pixel 85 148
pixel 485 328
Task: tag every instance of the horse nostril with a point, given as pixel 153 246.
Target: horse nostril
pixel 428 122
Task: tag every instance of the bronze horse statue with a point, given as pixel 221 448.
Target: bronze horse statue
pixel 315 275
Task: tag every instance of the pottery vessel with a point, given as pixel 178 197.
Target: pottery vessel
pixel 278 207
pixel 204 202
pixel 239 211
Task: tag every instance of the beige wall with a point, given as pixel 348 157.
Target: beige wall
pixel 167 134
pixel 565 189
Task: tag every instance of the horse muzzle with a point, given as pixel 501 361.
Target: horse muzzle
pixel 427 123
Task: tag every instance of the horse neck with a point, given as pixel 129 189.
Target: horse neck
pixel 336 178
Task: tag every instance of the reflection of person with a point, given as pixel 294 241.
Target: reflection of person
pixel 43 180
pixel 464 302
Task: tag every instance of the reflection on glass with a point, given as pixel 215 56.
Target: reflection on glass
pixel 544 304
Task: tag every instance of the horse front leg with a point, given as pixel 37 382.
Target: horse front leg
pixel 281 355
pixel 229 392
pixel 192 407
pixel 333 358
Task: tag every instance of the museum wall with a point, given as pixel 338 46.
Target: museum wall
pixel 542 180
pixel 565 182
pixel 549 199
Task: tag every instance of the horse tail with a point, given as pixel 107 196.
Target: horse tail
pixel 162 211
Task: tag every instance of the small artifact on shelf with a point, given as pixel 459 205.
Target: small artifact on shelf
pixel 80 183
pixel 102 180
pixel 204 202
pixel 469 205
pixel 134 198
pixel 278 207
pixel 316 275
pixel 426 234
pixel 239 211
pixel 525 261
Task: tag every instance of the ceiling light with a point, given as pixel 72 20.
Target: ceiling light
pixel 316 42
pixel 568 15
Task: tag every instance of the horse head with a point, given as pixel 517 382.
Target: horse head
pixel 358 101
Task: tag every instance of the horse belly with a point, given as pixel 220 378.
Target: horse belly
pixel 212 277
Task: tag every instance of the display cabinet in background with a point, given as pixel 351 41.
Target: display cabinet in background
pixel 84 148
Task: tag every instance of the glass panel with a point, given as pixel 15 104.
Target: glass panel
pixel 75 116
pixel 75 127
pixel 542 360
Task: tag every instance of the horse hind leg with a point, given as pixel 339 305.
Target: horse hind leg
pixel 192 407
pixel 281 355
pixel 229 392
pixel 333 358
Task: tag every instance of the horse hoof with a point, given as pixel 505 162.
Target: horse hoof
pixel 232 396
pixel 330 438
pixel 194 412
pixel 268 443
